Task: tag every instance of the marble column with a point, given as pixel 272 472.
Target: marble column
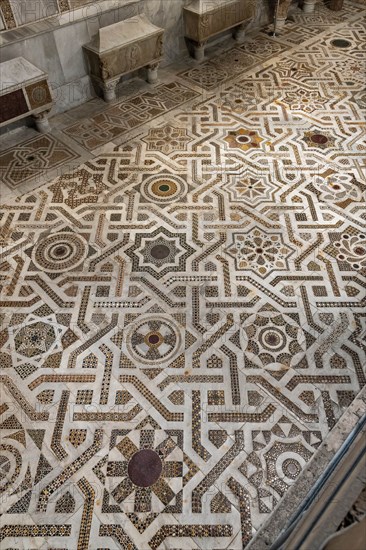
pixel 199 51
pixel 109 90
pixel 152 73
pixel 308 6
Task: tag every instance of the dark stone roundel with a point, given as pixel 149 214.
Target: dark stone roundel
pixel 144 468
pixel 154 339
pixel 319 138
pixel 160 251
pixel 341 43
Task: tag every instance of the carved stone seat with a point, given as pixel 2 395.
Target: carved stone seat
pixel 204 19
pixel 24 91
pixel 122 48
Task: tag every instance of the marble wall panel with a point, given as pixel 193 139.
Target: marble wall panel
pixel 69 41
pixel 28 11
pixel 41 50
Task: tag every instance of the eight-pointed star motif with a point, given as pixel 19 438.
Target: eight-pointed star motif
pixel 259 252
pixel 159 252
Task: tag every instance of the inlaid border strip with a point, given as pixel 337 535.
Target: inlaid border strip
pixel 7 14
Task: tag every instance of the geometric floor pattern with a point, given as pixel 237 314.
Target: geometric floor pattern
pixel 32 158
pixel 183 317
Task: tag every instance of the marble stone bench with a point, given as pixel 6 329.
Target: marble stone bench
pixel 24 91
pixel 204 19
pixel 121 48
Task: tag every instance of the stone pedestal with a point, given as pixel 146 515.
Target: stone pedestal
pixel 204 19
pixel 122 48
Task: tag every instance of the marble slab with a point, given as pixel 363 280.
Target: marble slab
pixel 17 71
pixel 123 33
pixel 204 6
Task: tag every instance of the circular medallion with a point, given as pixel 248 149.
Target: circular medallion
pixel 144 468
pixel 164 189
pixel 272 339
pixel 60 252
pixel 352 249
pixel 39 96
pixel 291 468
pixel 338 188
pixel 153 340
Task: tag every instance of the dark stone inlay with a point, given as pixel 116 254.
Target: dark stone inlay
pixel 291 468
pixel 4 466
pixel 144 468
pixel 272 339
pixel 160 251
pixel 164 188
pixel 60 251
pixel 319 138
pixel 341 43
pixel 243 139
pixel 13 105
pixel 154 338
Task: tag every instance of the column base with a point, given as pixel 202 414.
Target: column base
pixel 280 23
pixel 308 7
pixel 109 92
pixel 239 34
pixel 199 52
pixel 42 123
pixel 152 74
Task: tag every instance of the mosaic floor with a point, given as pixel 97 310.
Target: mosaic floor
pixel 184 315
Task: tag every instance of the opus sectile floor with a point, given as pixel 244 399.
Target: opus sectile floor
pixel 184 315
